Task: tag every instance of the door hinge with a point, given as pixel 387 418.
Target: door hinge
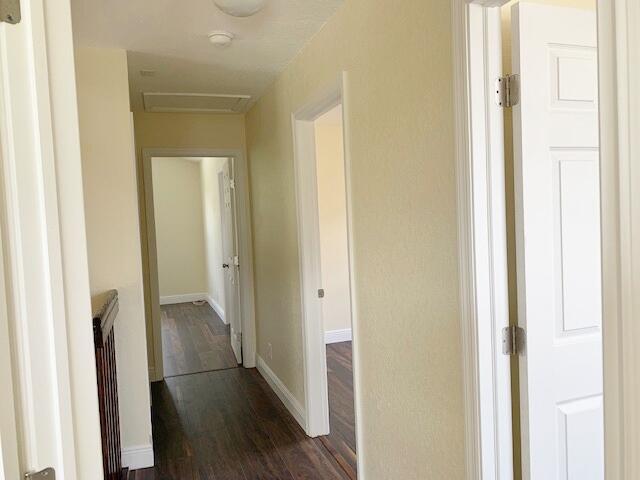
pixel 321 293
pixel 10 11
pixel 236 260
pixel 513 340
pixel 232 183
pixel 46 474
pixel 508 91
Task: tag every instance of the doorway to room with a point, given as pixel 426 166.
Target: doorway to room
pixel 194 261
pixel 322 188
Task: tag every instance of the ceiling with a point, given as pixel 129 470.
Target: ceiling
pixel 170 39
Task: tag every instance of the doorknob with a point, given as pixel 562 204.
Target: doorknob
pixel 225 265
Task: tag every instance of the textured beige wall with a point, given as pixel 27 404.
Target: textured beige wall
pixel 177 130
pixel 179 221
pixel 113 239
pixel 510 210
pixel 400 118
pixel 211 207
pixel 332 212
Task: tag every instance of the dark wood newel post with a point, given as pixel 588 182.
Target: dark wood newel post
pixel 105 310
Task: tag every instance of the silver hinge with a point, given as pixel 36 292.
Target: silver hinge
pixel 508 91
pixel 236 260
pixel 46 474
pixel 232 183
pixel 321 293
pixel 513 340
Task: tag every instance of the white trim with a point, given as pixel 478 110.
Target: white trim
pixel 619 65
pixel 337 336
pixel 283 393
pixel 482 242
pixel 138 457
pixel 217 308
pixel 183 298
pixel 314 351
pixel 245 242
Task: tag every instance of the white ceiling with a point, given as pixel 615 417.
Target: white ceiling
pixel 170 37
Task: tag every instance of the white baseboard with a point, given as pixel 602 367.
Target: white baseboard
pixel 217 308
pixel 283 393
pixel 337 336
pixel 185 298
pixel 135 458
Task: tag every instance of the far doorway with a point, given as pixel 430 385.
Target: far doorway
pixel 195 236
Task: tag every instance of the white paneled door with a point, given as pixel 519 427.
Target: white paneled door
pixel 231 264
pixel 558 240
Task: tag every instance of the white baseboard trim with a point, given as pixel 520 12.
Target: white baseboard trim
pixel 283 393
pixel 217 308
pixel 135 458
pixel 337 336
pixel 185 298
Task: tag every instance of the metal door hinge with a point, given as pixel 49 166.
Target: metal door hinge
pixel 513 340
pixel 321 293
pixel 10 11
pixel 46 474
pixel 232 183
pixel 508 91
pixel 236 260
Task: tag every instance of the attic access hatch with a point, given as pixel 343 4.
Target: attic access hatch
pixel 195 102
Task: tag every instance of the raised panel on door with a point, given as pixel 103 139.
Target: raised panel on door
pixel 557 184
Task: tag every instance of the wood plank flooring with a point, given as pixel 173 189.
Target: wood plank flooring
pixel 194 339
pixel 341 442
pixel 229 425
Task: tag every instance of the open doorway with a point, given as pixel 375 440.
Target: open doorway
pixel 195 245
pixel 326 273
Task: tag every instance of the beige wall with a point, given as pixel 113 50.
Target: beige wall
pixel 400 117
pixel 177 130
pixel 211 206
pixel 332 209
pixel 179 221
pixel 111 206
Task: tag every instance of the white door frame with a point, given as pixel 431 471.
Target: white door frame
pixel 44 247
pixel 482 241
pixel 315 361
pixel 619 69
pixel 245 250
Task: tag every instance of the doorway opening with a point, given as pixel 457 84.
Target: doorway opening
pixel 536 264
pixel 199 277
pixel 330 339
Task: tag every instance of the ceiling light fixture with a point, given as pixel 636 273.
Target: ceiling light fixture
pixel 221 38
pixel 240 8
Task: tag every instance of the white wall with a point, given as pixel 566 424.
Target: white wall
pixel 332 207
pixel 212 209
pixel 113 231
pixel 179 222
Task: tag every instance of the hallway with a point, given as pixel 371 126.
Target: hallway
pixel 229 425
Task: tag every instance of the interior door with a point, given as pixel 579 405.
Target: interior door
pixel 558 241
pixel 231 264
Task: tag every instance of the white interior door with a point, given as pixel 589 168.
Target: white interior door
pixel 231 264
pixel 558 230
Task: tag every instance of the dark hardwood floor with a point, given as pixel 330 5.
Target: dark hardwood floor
pixel 229 425
pixel 194 339
pixel 341 442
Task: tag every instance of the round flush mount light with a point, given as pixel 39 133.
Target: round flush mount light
pixel 240 8
pixel 221 38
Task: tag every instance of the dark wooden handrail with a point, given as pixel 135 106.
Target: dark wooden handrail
pixel 105 310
